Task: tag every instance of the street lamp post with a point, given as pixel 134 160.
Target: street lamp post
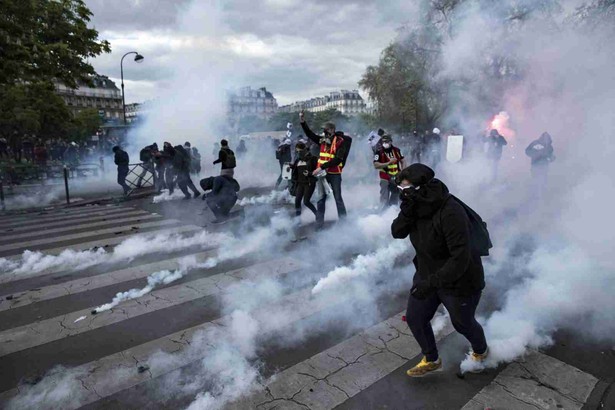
pixel 138 59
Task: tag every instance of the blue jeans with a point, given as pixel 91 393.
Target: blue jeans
pixel 335 180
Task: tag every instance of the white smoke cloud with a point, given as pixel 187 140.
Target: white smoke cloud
pixel 165 196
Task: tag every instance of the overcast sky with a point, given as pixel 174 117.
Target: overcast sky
pixel 296 48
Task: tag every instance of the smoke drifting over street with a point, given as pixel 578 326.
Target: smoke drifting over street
pixel 552 264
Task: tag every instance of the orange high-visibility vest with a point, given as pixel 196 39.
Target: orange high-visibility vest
pixel 327 155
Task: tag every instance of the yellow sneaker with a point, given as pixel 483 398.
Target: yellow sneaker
pixel 478 360
pixel 424 367
pixel 480 357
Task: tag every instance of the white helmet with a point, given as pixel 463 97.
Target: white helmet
pixel 436 131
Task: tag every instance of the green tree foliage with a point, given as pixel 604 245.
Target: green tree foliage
pixel 85 124
pixel 42 42
pixel 47 40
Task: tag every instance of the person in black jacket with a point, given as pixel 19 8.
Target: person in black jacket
pixel 181 165
pixel 122 160
pixel 494 143
pixel 305 182
pixel 541 153
pixel 168 154
pixel 226 157
pixel 222 197
pixel 448 270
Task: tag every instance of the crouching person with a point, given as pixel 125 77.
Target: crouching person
pixel 222 197
pixel 449 269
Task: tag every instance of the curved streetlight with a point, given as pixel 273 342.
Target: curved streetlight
pixel 138 59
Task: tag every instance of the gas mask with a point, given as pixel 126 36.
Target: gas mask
pixel 300 153
pixel 326 139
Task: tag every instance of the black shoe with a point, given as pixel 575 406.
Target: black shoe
pixel 196 195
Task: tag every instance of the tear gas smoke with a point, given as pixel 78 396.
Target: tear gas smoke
pixel 275 197
pixel 166 196
pixel 163 277
pixel 133 247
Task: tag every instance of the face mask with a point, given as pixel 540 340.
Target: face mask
pixel 407 192
pixel 386 145
pixel 325 140
pixel 300 153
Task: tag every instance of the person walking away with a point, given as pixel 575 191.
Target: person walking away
pixel 389 161
pixel 28 149
pixel 159 167
pixel 196 161
pixel 168 152
pixel 433 148
pixel 416 147
pixel 449 269
pixel 284 156
pixel 146 156
pixel 241 148
pixel 188 153
pixel 222 197
pixel 541 153
pixel 334 147
pixel 71 156
pixel 122 160
pixel 181 165
pixel 493 149
pixel 226 157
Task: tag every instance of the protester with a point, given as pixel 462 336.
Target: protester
pixel 334 147
pixel 146 155
pixel 433 148
pixel 168 152
pixel 493 150
pixel 122 160
pixel 71 155
pixel 541 153
pixel 284 156
pixel 181 167
pixel 196 161
pixel 40 154
pixel 241 148
pixel 226 157
pixel 388 160
pixel 304 181
pixel 449 269
pixel 222 197
pixel 417 143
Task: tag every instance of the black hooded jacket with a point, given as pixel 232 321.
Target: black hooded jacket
pixel 541 150
pixel 445 257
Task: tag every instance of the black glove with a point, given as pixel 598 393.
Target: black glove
pixel 406 206
pixel 423 288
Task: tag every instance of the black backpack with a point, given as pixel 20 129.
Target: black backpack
pixel 230 162
pixel 145 154
pixel 479 235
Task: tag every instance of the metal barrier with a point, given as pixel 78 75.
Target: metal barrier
pixel 140 176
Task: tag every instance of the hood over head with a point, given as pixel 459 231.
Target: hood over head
pixel 545 138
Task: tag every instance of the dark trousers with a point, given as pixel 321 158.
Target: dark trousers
pixel 190 185
pixel 335 180
pixel 182 183
pixel 461 310
pixel 221 208
pixel 147 167
pixel 304 194
pixel 122 172
pixel 389 193
pixel 169 178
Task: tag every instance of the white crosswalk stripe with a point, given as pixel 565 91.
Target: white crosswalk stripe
pixel 336 373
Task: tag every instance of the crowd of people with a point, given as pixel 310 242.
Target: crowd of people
pixel 36 151
pixel 448 236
